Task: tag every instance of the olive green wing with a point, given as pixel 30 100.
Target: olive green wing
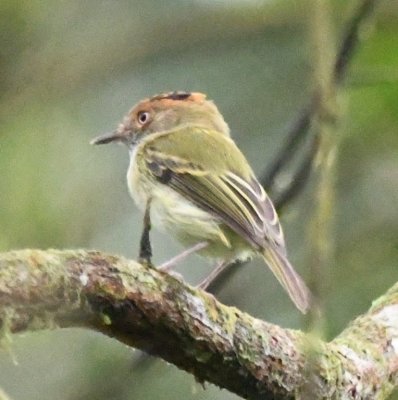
pixel 211 172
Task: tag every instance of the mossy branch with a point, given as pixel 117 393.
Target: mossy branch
pixel 161 315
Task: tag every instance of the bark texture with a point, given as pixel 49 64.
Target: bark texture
pixel 163 316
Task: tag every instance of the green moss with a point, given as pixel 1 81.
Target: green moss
pixel 106 319
pixel 43 321
pixel 391 297
pixel 5 332
pixel 5 324
pixel 203 356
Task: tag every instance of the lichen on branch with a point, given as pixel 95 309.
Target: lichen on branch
pixel 165 317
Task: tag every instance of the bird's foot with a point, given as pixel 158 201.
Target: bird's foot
pixel 146 261
pixel 170 264
pixel 219 268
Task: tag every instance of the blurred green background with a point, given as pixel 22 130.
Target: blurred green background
pixel 69 70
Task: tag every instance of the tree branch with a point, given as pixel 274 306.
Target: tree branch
pixel 301 127
pixel 155 312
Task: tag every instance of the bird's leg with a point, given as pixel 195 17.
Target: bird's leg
pixel 145 252
pixel 219 268
pixel 170 264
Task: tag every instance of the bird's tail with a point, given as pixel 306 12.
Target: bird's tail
pixel 288 278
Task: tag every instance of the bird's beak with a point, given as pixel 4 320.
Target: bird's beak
pixel 115 136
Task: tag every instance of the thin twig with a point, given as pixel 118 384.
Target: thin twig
pixel 319 228
pixel 300 177
pixel 351 39
pixel 301 128
pixel 294 138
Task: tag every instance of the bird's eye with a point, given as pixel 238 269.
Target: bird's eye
pixel 143 117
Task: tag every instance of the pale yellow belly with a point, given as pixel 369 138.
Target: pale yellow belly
pixel 172 213
pixel 169 210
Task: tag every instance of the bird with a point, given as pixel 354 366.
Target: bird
pixel 192 181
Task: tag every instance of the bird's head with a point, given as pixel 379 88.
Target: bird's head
pixel 166 112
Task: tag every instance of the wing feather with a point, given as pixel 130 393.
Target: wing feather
pixel 243 206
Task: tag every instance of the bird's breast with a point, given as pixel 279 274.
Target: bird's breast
pixel 137 182
pixel 169 210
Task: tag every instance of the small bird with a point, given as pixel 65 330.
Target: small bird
pixel 192 181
